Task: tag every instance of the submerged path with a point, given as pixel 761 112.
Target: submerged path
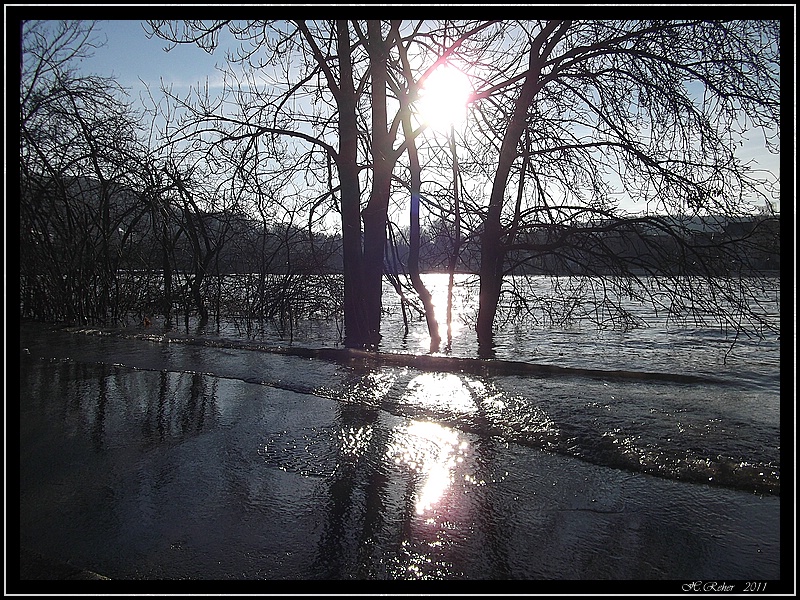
pixel 424 362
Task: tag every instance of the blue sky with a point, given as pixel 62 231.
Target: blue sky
pixel 129 55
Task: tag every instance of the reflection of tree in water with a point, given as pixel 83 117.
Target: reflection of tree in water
pixel 100 411
pixel 493 516
pixel 183 406
pixel 354 513
pixel 179 411
pixel 85 390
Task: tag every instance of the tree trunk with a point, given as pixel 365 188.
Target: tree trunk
pixel 416 179
pixel 167 269
pixel 492 251
pixel 491 280
pixel 376 211
pixel 374 244
pixel 453 260
pixel 413 242
pixel 356 329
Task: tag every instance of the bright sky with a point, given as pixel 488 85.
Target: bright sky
pixel 129 56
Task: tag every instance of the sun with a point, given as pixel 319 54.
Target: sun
pixel 443 98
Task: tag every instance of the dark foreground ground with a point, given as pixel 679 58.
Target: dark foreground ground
pixel 34 566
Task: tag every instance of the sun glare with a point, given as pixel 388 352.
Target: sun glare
pixel 443 101
pixel 434 451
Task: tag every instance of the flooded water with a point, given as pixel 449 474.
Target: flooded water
pixel 152 456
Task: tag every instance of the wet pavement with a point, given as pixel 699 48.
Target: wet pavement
pixel 148 462
pixel 34 566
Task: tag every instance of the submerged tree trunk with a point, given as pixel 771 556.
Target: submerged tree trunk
pixel 413 242
pixel 356 323
pixel 453 260
pixel 416 178
pixel 375 214
pixel 167 270
pixel 492 250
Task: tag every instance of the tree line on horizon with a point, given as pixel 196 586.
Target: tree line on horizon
pixel 324 149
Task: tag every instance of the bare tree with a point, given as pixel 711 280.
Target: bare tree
pixel 309 67
pixel 79 151
pixel 653 110
pixel 328 96
pixel 570 117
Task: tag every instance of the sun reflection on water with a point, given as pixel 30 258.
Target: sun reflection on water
pixel 433 451
pixel 440 391
pixel 417 562
pixel 363 388
pixel 354 442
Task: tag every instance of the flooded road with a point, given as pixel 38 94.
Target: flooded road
pixel 143 460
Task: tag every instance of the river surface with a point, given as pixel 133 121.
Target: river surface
pixel 147 454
